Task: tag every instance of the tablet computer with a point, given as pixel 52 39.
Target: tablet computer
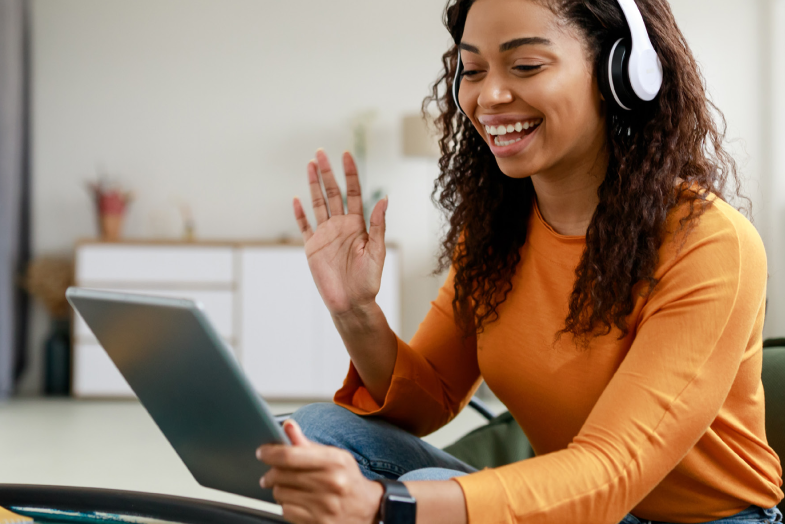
pixel 189 381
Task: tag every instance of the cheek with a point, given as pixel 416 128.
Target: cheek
pixel 573 109
pixel 467 96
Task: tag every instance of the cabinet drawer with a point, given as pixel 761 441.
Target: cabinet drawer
pixel 115 264
pixel 218 306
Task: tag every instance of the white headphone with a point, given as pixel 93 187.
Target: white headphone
pixel 630 71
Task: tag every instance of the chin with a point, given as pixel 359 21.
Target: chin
pixel 516 168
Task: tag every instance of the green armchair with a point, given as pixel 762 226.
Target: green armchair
pixel 774 388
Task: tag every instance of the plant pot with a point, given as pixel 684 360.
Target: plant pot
pixel 111 226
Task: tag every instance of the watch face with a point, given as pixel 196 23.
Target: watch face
pixel 400 510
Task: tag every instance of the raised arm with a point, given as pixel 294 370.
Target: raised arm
pixel 346 262
pixel 433 378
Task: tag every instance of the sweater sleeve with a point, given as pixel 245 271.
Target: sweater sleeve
pixel 689 342
pixel 434 377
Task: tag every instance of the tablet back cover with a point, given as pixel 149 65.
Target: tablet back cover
pixel 189 382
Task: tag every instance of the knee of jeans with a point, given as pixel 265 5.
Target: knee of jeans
pixel 431 474
pixel 324 423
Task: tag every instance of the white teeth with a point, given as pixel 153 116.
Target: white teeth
pixel 503 143
pixel 512 128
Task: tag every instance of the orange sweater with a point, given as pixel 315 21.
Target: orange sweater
pixel 666 423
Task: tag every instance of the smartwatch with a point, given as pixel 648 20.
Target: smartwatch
pixel 398 506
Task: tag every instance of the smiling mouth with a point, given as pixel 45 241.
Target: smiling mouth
pixel 506 135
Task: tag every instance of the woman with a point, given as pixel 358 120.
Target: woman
pixel 598 283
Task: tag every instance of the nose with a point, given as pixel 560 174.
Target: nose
pixel 494 91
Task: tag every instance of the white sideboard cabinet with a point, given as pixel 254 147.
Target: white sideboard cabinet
pixel 261 299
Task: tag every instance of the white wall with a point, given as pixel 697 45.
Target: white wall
pixel 219 103
pixel 727 46
pixel 774 128
pixel 222 103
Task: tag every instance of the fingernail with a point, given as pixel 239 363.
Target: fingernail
pixel 292 425
pixel 259 453
pixel 261 482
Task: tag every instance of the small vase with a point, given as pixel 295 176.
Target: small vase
pixel 111 226
pixel 57 378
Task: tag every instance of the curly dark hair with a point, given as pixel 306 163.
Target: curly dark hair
pixel 670 154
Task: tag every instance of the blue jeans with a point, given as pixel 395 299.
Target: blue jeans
pixel 751 515
pixel 383 450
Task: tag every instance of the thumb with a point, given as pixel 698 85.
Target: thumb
pixel 295 434
pixel 378 222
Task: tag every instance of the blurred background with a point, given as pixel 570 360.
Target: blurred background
pixel 174 124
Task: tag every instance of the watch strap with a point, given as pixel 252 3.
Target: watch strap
pixel 397 505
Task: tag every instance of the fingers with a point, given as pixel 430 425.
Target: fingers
pixel 303 458
pixel 302 220
pixel 297 514
pixel 378 224
pixel 295 434
pixel 354 199
pixel 330 185
pixel 309 480
pixel 299 507
pixel 303 480
pixel 317 198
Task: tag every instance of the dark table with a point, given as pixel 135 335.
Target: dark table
pixel 72 505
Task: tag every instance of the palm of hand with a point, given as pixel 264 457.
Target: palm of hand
pixel 343 268
pixel 345 260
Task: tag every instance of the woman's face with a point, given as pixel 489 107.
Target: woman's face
pixel 529 89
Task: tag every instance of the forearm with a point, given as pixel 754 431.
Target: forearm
pixel 439 502
pixel 372 346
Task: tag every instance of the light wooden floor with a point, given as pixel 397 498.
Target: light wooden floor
pixel 115 444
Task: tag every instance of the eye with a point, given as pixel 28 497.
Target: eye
pixel 527 68
pixel 470 73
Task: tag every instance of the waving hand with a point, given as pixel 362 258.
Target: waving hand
pixel 345 259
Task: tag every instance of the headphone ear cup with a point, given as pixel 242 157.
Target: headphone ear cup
pixel 614 78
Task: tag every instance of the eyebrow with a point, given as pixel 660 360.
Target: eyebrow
pixel 512 44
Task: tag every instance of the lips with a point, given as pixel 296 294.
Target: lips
pixel 512 143
pixel 512 137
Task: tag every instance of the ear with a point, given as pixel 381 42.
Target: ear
pixel 598 86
